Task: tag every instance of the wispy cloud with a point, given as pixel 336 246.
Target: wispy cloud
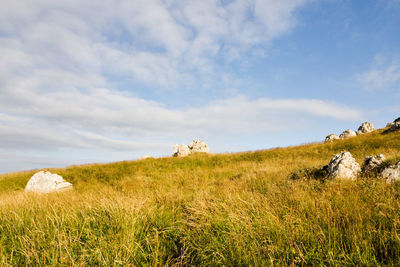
pixel 59 61
pixel 166 43
pixel 382 75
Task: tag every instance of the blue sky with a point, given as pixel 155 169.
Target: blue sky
pixel 89 81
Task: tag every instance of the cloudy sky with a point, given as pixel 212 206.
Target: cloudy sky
pixel 99 81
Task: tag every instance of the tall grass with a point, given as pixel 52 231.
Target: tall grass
pixel 232 209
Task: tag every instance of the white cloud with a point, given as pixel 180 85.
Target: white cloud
pixel 85 119
pixel 166 43
pixel 58 60
pixel 380 76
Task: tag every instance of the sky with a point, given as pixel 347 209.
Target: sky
pixel 101 81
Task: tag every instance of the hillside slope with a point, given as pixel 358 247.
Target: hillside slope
pixel 226 209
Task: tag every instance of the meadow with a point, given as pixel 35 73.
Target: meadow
pixel 239 209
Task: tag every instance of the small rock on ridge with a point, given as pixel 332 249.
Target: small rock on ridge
pixel 366 127
pixel 346 134
pixel 331 137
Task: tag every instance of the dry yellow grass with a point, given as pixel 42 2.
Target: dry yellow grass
pixel 231 209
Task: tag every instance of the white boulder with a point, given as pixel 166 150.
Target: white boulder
pixel 144 157
pixel 366 127
pixel 331 137
pixel 198 146
pixel 346 134
pixel 392 173
pixel 180 151
pixel 46 182
pixel 343 165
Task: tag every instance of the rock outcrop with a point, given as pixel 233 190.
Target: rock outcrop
pixel 331 137
pixel 343 165
pixel 392 173
pixel 346 134
pixel 198 146
pixel 46 182
pixel 394 127
pixel 144 157
pixel 366 127
pixel 371 163
pixel 181 151
pixel 194 147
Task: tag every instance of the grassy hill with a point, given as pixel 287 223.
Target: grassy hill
pixel 227 209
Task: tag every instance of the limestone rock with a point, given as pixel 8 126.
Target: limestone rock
pixel 331 137
pixel 348 133
pixel 181 151
pixel 394 127
pixel 392 173
pixel 198 146
pixel 343 165
pixel 373 162
pixel 46 182
pixel 366 127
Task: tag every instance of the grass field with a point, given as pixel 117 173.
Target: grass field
pixel 228 209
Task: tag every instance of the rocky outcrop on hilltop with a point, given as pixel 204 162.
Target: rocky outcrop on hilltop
pixel 331 137
pixel 46 182
pixel 194 147
pixel 346 134
pixel 181 151
pixel 395 126
pixel 343 165
pixel 366 127
pixel 198 146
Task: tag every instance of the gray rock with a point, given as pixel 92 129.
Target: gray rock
pixel 392 173
pixel 46 182
pixel 372 162
pixel 366 127
pixel 198 146
pixel 394 127
pixel 346 134
pixel 343 165
pixel 389 124
pixel 181 151
pixel 331 137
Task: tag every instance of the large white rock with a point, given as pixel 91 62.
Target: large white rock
pixel 392 173
pixel 366 127
pixel 343 165
pixel 46 182
pixel 198 146
pixel 346 134
pixel 180 151
pixel 331 137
